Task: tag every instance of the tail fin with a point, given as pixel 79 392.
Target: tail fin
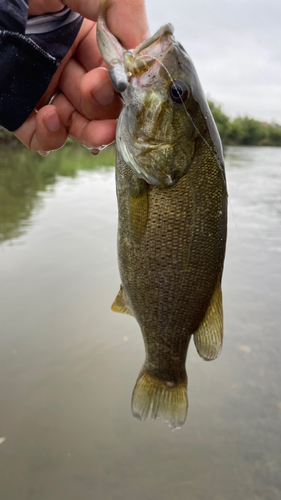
pixel 166 402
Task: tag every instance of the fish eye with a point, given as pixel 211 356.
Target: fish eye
pixel 178 92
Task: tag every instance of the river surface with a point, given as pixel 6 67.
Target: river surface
pixel 68 364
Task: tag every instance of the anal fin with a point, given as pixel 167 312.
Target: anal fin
pixel 120 304
pixel 209 336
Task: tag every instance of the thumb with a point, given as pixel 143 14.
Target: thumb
pixel 126 19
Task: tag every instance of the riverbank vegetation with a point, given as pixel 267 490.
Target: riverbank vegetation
pixel 240 131
pixel 7 137
pixel 245 131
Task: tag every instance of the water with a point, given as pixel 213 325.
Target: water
pixel 68 364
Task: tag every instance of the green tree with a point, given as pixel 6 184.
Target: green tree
pixel 222 121
pixel 245 131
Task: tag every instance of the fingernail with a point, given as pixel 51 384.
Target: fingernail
pixel 104 93
pixel 52 121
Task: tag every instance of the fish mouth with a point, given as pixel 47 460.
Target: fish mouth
pixel 151 52
pixel 123 63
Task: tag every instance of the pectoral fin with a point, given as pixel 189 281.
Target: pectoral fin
pixel 120 305
pixel 138 209
pixel 208 338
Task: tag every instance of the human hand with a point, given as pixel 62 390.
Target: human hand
pixel 86 108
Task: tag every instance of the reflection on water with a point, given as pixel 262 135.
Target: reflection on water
pixel 24 176
pixel 68 364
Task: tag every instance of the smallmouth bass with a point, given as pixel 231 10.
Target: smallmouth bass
pixel 172 205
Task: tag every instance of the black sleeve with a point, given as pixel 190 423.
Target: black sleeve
pixel 30 52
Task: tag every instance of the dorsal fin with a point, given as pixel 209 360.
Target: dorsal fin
pixel 120 304
pixel 208 338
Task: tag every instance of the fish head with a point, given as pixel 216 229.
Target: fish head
pixel 165 113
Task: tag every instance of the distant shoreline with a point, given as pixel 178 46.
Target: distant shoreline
pixel 245 131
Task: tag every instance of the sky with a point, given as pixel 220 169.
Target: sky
pixel 236 48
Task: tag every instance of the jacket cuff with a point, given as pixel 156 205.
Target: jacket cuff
pixel 29 61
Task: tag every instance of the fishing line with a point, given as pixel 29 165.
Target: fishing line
pixel 234 220
pixel 203 138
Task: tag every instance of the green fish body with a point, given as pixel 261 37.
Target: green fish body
pixel 172 204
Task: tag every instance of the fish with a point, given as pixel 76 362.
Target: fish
pixel 172 215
